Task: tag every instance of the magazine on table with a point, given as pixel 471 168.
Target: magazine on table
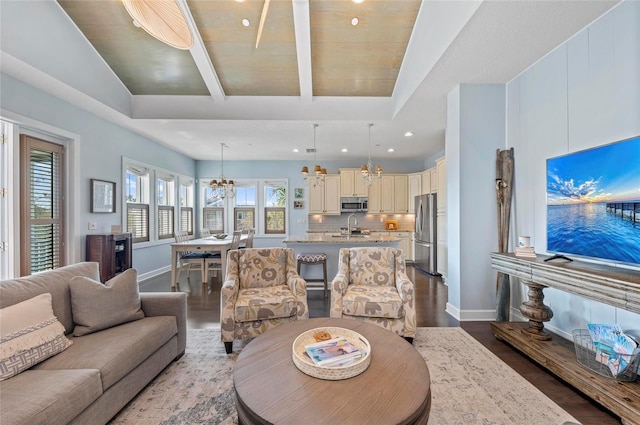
pixel 614 348
pixel 333 352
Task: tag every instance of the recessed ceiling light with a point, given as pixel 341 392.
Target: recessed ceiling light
pixel 354 21
pixel 408 134
pixel 245 22
pixel 391 150
pixel 239 1
pixel 357 1
pixel 344 150
pixel 296 150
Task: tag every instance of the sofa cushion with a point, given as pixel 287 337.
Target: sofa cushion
pixel 48 397
pixel 115 351
pixel 96 306
pixel 261 268
pixel 29 334
pixel 372 301
pixel 55 282
pixel 372 266
pixel 265 303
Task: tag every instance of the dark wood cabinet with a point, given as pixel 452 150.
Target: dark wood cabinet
pixel 112 251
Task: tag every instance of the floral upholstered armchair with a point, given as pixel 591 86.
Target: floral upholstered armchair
pixel 372 285
pixel 262 289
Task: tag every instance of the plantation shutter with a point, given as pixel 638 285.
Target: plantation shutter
pixel 138 222
pixel 186 220
pixel 165 221
pixel 42 200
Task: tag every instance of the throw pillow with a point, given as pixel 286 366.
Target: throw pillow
pixel 96 306
pixel 29 334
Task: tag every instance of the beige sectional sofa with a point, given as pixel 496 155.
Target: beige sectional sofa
pixel 99 373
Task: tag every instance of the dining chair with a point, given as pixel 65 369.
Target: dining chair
pixel 188 259
pixel 214 261
pixel 249 241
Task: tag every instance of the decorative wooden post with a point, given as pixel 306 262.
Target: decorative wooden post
pixel 504 185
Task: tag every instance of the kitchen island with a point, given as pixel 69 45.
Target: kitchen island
pixel 330 245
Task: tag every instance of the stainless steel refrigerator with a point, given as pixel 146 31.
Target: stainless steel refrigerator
pixel 425 245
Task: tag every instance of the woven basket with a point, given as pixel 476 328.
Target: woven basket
pixel 306 365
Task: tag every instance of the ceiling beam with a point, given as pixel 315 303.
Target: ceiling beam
pixel 302 26
pixel 201 57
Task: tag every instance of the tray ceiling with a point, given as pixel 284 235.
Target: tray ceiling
pixel 346 60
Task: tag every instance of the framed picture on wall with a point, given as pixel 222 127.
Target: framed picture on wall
pixel 298 204
pixel 298 193
pixel 103 196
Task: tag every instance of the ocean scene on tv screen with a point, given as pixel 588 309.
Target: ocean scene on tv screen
pixel 593 202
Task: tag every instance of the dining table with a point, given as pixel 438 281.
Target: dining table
pixel 210 245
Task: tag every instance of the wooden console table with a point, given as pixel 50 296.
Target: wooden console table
pixel 610 285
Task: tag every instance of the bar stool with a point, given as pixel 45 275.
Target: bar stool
pixel 313 259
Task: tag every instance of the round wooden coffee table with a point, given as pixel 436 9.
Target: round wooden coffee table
pixel 270 389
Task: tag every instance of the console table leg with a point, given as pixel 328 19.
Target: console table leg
pixel 536 312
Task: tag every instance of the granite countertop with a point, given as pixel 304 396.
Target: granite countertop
pixel 353 239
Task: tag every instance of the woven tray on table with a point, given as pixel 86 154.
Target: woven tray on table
pixel 306 365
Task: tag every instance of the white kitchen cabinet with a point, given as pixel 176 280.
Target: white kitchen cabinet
pixel 381 195
pixel 434 179
pixel 405 243
pixel 425 184
pixel 352 183
pixel 401 194
pixel 415 182
pixel 325 198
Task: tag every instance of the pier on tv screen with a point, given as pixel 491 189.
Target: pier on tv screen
pixel 593 202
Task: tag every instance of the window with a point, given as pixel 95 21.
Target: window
pixel 137 199
pixel 165 198
pixel 258 204
pixel 42 190
pixel 245 212
pixel 275 201
pixel 185 196
pixel 213 211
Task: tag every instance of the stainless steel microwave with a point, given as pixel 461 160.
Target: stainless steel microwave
pixel 353 204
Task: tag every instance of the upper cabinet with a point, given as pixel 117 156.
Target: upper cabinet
pixel 401 194
pixel 325 198
pixel 352 183
pixel 389 195
pixel 429 181
pixel 415 183
pixel 425 184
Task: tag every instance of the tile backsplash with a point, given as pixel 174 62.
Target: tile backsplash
pixel 333 223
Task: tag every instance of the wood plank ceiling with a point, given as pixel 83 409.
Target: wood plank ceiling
pixel 346 60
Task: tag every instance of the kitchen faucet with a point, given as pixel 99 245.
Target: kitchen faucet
pixel 355 223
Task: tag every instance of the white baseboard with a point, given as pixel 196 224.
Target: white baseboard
pixel 157 272
pixel 470 315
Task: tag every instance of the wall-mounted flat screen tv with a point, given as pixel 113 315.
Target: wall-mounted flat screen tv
pixel 593 202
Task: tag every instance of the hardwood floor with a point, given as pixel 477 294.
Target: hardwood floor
pixel 431 298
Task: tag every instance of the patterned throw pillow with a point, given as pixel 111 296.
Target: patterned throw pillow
pixel 29 334
pixel 96 306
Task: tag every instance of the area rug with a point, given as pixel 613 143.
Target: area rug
pixel 469 385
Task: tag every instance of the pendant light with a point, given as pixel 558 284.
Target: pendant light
pixel 319 173
pixel 222 188
pixel 367 170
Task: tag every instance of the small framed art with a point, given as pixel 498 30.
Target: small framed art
pixel 103 196
pixel 298 193
pixel 298 204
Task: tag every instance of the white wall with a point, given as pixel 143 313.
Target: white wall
pixel 475 131
pixel 584 94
